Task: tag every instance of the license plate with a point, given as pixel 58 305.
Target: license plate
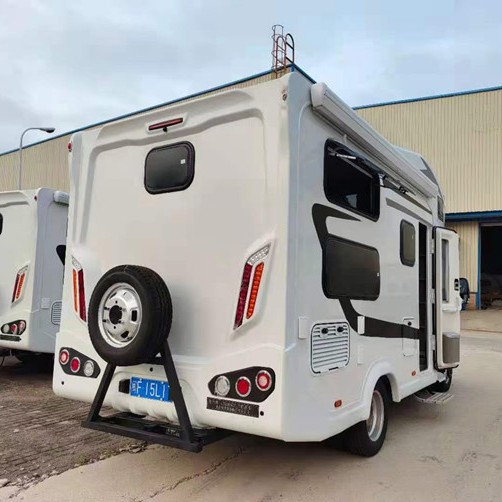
pixel 149 389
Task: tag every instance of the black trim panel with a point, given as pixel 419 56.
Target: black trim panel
pixel 406 211
pixel 377 327
pixel 321 213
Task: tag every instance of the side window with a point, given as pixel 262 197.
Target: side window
pixel 349 182
pixel 1 223
pixel 170 168
pixel 350 270
pixel 408 244
pixel 445 266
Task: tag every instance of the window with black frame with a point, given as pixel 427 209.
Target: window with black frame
pixel 350 182
pixel 408 244
pixel 169 168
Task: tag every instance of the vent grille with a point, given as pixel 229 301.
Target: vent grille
pixel 56 313
pixel 330 346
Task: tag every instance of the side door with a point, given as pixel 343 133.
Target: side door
pixel 447 298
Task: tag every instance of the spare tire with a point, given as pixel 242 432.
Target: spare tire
pixel 130 315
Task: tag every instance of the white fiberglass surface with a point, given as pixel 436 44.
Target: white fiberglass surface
pixel 17 241
pixel 197 239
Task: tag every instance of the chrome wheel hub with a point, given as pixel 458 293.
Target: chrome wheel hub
pixel 119 315
pixel 377 415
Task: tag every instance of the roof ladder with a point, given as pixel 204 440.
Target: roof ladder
pixel 283 51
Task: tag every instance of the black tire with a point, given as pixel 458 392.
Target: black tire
pixel 156 316
pixel 357 439
pixel 445 385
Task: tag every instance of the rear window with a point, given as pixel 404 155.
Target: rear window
pixel 170 168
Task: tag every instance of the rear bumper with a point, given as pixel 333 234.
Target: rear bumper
pixel 194 375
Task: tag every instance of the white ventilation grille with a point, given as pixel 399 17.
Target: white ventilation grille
pixel 56 313
pixel 329 346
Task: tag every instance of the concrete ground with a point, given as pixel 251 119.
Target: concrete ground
pixel 40 432
pixel 449 452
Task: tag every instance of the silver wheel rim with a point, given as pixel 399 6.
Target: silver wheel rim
pixel 376 418
pixel 119 315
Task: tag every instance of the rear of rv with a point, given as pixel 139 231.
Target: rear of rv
pixel 196 193
pixel 32 227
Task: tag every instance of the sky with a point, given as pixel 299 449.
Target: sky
pixel 68 64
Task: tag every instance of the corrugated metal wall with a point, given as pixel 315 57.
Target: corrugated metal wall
pixel 468 233
pixel 461 139
pixel 44 165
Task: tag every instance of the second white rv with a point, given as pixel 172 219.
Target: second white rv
pixel 257 259
pixel 33 226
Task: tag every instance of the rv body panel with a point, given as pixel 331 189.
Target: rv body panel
pixel 31 276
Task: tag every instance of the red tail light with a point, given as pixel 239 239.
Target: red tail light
pixel 18 284
pixel 255 262
pixel 75 364
pixel 78 290
pixel 243 294
pixel 243 386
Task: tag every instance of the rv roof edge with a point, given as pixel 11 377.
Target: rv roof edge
pixel 327 104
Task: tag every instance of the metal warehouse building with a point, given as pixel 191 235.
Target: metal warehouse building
pixel 460 136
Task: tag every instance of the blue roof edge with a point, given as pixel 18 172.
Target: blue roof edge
pixel 474 216
pixel 427 98
pixel 167 103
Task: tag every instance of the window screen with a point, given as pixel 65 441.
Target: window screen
pixel 349 182
pixel 408 244
pixel 350 270
pixel 169 168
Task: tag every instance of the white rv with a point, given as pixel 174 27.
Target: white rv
pixel 256 259
pixel 32 251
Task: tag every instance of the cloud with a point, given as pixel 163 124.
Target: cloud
pixel 70 64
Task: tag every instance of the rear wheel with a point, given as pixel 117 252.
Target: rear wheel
pixel 367 437
pixel 130 315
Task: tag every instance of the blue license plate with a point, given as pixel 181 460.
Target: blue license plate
pixel 149 389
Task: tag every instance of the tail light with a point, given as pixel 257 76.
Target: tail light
pixel 77 364
pixel 64 357
pixel 245 304
pixel 253 384
pixel 19 283
pixel 78 290
pixel 263 380
pixel 243 387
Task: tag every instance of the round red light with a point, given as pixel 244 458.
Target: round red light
pixel 263 380
pixel 243 386
pixel 70 146
pixel 64 356
pixel 13 328
pixel 75 364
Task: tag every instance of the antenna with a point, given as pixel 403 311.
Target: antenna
pixel 283 51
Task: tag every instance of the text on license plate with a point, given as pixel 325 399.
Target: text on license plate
pixel 149 389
